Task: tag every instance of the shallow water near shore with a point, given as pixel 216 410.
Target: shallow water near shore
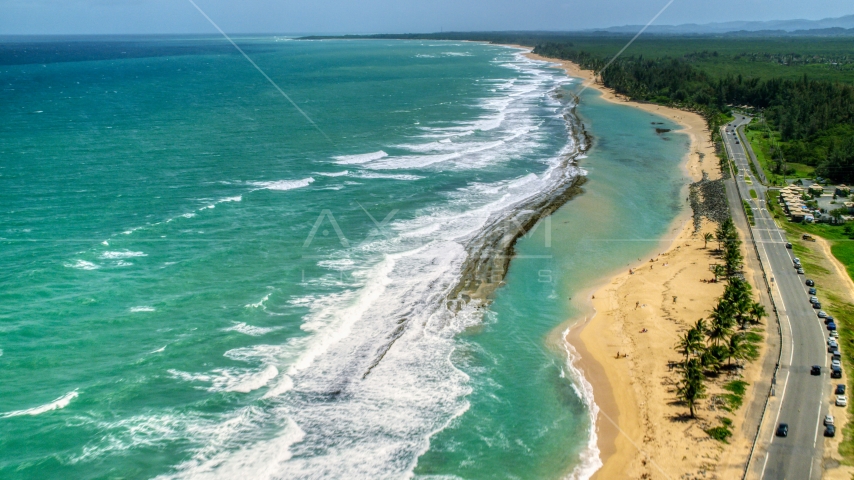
pixel 199 285
pixel 525 421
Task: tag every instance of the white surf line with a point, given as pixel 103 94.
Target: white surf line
pixel 627 45
pixel 262 71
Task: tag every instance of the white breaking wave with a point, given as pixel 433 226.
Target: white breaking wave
pixel 333 174
pixel 590 460
pixel 253 331
pixel 83 265
pixel 57 404
pixel 122 254
pixel 283 185
pixel 359 159
pixel 239 380
pixel 142 309
pixel 389 176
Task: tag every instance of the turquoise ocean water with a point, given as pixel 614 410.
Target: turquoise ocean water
pixel 196 283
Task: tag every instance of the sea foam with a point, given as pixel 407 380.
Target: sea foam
pixel 57 404
pixel 283 185
pixel 359 159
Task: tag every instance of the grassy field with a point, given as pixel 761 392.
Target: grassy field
pixel 761 142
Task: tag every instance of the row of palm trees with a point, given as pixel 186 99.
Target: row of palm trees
pixel 707 346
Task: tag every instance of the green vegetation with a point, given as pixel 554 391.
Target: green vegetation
pixel 749 211
pixel 735 398
pixel 708 347
pixel 753 193
pixel 814 118
pixel 723 432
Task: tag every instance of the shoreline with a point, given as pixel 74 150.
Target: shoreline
pixel 623 413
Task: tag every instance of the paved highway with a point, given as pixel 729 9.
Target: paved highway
pixel 801 400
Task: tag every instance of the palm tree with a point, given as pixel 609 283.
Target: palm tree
pixel 691 388
pixel 732 257
pixel 738 348
pixel 719 271
pixel 757 312
pixel 690 342
pixel 723 319
pixel 707 237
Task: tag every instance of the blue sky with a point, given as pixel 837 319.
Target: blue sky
pixel 384 16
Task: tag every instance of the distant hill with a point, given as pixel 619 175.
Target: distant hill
pixel 827 26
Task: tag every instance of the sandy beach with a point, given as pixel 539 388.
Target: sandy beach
pixel 625 341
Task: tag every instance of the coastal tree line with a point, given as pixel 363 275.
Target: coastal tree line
pixel 814 118
pixel 715 342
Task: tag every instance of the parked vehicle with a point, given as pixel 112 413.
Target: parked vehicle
pixel 828 419
pixel 831 347
pixel 834 334
pixel 810 283
pixel 783 430
pixel 822 314
pixel 813 291
pixel 788 245
pixel 796 260
pixel 836 356
pixel 813 299
pixel 840 390
pixel 835 363
pixel 841 400
pixel 817 305
pixel 801 271
pixel 835 372
pixel 830 431
pixel 831 326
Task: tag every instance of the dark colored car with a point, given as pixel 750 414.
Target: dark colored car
pixel 788 245
pixel 783 430
pixel 840 389
pixel 835 372
pixel 813 291
pixel 810 283
pixel 817 305
pixel 830 431
pixel 815 370
pixel 827 320
pixel 831 326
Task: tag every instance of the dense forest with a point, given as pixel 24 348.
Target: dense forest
pixel 815 118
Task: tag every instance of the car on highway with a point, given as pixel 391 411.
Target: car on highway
pixel 815 370
pixel 828 419
pixel 813 291
pixel 831 326
pixel 810 283
pixel 783 430
pixel 821 313
pixel 840 389
pixel 801 271
pixel 841 400
pixel 830 431
pixel 835 371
